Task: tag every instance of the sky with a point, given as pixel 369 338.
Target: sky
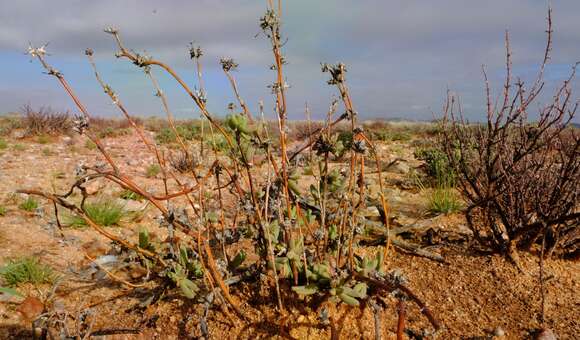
pixel 401 55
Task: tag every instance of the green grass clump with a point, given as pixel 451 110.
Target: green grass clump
pixel 103 212
pixel 19 147
pixel 2 210
pixel 401 136
pixel 218 141
pixel 189 131
pixel 130 195
pixel 111 132
pixel 3 144
pixel 152 170
pixel 90 145
pixel 43 139
pixel 437 165
pixel 30 204
pixel 443 200
pixel 26 270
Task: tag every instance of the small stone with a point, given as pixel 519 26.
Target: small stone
pixel 546 334
pixel 95 248
pixel 30 308
pixel 399 168
pixel 499 332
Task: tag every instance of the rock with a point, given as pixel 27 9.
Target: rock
pixel 18 134
pixel 30 308
pixel 546 334
pixel 499 332
pixel 399 168
pixel 95 248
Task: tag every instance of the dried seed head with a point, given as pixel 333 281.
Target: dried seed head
pixel 37 51
pixel 111 30
pixel 323 146
pixel 269 21
pixel 141 60
pixel 80 124
pixel 228 64
pixel 276 87
pixel 201 95
pixel 323 316
pixel 337 72
pixel 397 278
pixel 80 170
pixel 318 234
pixel 195 52
pixel 283 61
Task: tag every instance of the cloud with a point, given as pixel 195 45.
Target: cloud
pixel 401 54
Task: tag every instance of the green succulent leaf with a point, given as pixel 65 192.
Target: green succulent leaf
pixel 274 229
pixel 144 239
pixel 333 232
pixel 283 267
pixel 238 259
pixel 360 289
pixel 188 288
pixel 349 300
pixel 306 290
pixel 293 186
pixel 183 258
pixel 322 271
pixel 237 123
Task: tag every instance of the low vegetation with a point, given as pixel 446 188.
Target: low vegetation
pixel 30 204
pixel 152 170
pixel 520 179
pixel 187 131
pixel 26 270
pixel 45 121
pixel 104 212
pixel 130 195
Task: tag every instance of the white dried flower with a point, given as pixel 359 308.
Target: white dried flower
pixel 37 51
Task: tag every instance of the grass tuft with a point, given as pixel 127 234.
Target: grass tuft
pixel 443 200
pixel 30 204
pixel 130 195
pixel 152 170
pixel 90 145
pixel 18 147
pixel 104 212
pixel 26 270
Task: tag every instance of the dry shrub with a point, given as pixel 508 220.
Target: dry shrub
pixel 184 162
pixel 10 123
pixel 300 130
pixel 521 178
pixel 102 123
pixel 45 121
